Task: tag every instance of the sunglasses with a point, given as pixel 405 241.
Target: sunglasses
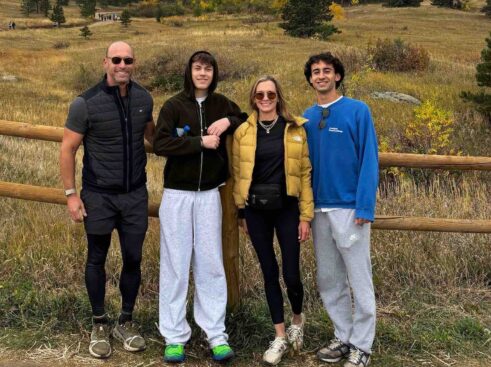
pixel 269 95
pixel 116 60
pixel 325 115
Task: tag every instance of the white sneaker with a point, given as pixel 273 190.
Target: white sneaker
pixel 295 334
pixel 276 349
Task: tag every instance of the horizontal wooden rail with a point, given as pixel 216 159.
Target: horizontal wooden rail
pixel 49 133
pixel 56 196
pixel 39 132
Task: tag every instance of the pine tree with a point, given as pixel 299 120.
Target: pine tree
pixel 487 8
pixel 85 32
pixel 125 18
pixel 27 7
pixel 158 13
pixel 307 18
pixel 45 7
pixel 58 15
pixel 87 8
pixel 482 100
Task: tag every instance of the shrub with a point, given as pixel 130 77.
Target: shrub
pixel 396 55
pixel 85 77
pixel 431 130
pixel 166 72
pixel 403 3
pixel 169 10
pixel 61 44
pixel 144 10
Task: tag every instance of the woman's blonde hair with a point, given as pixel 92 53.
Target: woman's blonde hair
pixel 281 106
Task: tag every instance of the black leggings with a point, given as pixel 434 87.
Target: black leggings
pixel 95 273
pixel 261 225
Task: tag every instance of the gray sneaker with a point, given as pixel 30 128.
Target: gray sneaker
pixel 99 346
pixel 357 358
pixel 334 351
pixel 129 335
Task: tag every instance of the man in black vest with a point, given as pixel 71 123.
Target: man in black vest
pixel 111 119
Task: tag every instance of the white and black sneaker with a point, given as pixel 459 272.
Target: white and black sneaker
pixel 357 358
pixel 334 351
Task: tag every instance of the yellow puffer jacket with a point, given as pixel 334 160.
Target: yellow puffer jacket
pixel 297 163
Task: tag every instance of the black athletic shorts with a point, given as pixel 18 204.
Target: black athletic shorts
pixel 105 212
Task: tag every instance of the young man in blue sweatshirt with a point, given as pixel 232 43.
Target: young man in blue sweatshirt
pixel 344 156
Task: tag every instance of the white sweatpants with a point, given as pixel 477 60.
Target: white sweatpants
pixel 191 233
pixel 342 251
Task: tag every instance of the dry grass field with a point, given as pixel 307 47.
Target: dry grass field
pixel 433 289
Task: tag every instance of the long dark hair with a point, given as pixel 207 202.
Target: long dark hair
pixel 206 58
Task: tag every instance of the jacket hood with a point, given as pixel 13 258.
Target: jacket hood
pixel 188 80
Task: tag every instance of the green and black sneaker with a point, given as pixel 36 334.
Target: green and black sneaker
pixel 222 353
pixel 174 353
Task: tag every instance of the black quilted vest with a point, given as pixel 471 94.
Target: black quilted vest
pixel 114 152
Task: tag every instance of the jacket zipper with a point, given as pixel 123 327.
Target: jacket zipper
pixel 201 113
pixel 125 115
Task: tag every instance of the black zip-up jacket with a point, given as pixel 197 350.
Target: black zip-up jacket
pixel 180 126
pixel 114 152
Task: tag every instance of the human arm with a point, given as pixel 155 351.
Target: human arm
pixel 368 168
pixel 165 143
pixel 69 146
pixel 149 131
pixel 228 124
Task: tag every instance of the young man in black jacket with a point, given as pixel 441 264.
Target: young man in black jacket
pixel 191 131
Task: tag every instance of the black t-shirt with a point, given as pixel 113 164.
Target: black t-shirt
pixel 269 167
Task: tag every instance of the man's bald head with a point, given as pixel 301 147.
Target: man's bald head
pixel 117 47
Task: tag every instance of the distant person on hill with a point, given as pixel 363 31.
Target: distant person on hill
pixel 191 132
pixel 344 156
pixel 111 119
pixel 272 190
pixel 13 26
pixel 10 25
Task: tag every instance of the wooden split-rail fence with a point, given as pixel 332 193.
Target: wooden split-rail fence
pixel 230 231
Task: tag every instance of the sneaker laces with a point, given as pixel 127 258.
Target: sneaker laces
pixel 335 344
pixel 295 332
pixel 100 332
pixel 277 345
pixel 355 355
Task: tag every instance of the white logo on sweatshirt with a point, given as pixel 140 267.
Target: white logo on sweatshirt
pixel 335 130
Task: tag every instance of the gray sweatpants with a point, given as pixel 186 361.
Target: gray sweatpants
pixel 191 233
pixel 342 250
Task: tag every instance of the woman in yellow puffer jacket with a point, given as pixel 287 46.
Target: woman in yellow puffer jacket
pixel 272 189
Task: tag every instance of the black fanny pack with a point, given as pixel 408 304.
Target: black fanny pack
pixel 265 197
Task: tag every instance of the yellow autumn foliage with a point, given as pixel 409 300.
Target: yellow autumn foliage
pixel 337 11
pixel 431 130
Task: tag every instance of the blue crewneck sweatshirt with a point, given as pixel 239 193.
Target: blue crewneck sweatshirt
pixel 344 157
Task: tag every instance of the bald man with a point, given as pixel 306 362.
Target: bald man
pixel 112 119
